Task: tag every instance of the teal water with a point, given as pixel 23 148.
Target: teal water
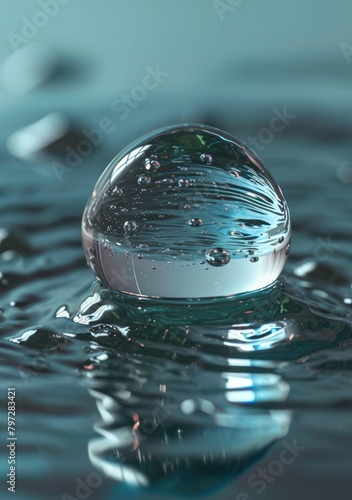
pixel 156 399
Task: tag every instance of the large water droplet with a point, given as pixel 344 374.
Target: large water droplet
pixel 244 216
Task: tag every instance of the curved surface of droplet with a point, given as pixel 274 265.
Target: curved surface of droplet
pixel 203 191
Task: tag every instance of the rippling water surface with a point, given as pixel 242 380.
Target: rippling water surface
pixel 139 397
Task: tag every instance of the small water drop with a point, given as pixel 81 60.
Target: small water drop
pixel 281 239
pixel 254 259
pixel 140 256
pixel 217 257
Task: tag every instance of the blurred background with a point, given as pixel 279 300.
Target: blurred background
pixel 79 80
pixel 145 64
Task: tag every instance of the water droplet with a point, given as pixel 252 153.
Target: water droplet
pixel 144 179
pixel 240 217
pixel 207 159
pixel 217 257
pixel 129 226
pixel 254 259
pixel 195 222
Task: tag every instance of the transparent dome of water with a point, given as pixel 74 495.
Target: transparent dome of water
pixel 186 211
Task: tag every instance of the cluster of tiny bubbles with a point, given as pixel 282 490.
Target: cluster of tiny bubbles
pixel 180 197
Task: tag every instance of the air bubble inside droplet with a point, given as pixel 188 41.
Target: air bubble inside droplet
pixel 159 191
pixel 117 191
pixel 151 164
pixel 195 222
pixel 144 179
pixel 217 257
pixel 206 158
pixel 183 183
pixel 130 226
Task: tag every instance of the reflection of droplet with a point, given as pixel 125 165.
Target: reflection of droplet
pixel 195 222
pixel 217 257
